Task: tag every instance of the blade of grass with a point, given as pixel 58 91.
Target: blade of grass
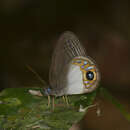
pixel 36 74
pixel 121 107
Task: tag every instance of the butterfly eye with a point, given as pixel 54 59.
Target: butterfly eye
pixel 90 75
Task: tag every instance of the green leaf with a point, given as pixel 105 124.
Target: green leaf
pixel 21 110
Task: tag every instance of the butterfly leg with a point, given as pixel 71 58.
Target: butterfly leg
pixel 53 103
pixel 63 98
pixel 66 100
pixel 49 101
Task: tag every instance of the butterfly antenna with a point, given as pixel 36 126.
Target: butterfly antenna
pixel 36 74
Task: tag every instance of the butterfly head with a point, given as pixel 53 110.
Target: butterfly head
pixel 47 91
pixel 90 73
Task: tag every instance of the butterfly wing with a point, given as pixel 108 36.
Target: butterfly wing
pixel 72 71
pixel 66 49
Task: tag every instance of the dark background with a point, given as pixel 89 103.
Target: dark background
pixel 30 28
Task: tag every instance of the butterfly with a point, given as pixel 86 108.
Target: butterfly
pixel 72 71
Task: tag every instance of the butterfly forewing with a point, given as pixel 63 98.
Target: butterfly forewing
pixel 67 47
